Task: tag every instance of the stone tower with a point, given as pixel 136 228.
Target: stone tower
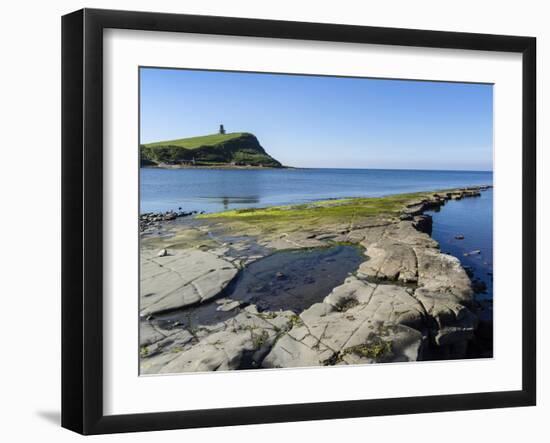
pixel 222 130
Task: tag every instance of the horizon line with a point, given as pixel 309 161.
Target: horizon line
pixel 389 169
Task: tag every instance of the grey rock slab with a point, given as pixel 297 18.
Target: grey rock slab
pixel 395 305
pixel 380 303
pixel 334 326
pixel 245 338
pixel 242 341
pixel 226 307
pixel 356 313
pixel 155 356
pixel 405 232
pixel 443 273
pixel 330 327
pixel 455 322
pixel 292 240
pixel 390 260
pixel 329 336
pixel 165 291
pixel 352 289
pixel 182 279
pixel 212 356
pixel 154 364
pixel 291 353
pixel 369 235
pixel 148 334
pixel 399 343
pixel 298 333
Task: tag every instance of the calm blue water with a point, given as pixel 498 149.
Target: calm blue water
pixel 473 218
pixel 214 190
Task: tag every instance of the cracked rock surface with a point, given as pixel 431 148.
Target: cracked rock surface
pixel 407 301
pixel 181 279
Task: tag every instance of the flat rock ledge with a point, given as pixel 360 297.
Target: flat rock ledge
pixel 182 278
pixel 238 343
pixel 406 302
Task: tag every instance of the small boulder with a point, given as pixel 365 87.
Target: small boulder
pixel 226 305
pixel 162 253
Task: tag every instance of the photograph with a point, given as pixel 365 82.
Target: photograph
pixel 294 220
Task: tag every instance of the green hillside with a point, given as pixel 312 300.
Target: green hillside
pixel 235 149
pixel 197 142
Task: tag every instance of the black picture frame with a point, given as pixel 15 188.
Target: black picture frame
pixel 82 219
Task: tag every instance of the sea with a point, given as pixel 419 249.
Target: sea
pixel 464 228
pixel 213 190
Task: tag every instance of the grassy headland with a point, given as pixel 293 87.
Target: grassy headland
pixel 234 149
pixel 197 142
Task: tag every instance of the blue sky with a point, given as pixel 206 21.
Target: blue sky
pixel 310 121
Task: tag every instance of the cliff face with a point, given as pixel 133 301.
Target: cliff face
pixel 239 149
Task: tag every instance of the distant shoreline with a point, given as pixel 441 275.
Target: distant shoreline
pixel 166 166
pixel 214 167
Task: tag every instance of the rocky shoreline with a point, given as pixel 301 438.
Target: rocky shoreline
pixel 221 166
pixel 152 220
pixel 406 301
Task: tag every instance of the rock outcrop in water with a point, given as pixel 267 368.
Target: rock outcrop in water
pixel 375 317
pixel 407 301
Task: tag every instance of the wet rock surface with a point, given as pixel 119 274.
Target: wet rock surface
pixel 152 220
pixel 404 300
pixel 294 279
